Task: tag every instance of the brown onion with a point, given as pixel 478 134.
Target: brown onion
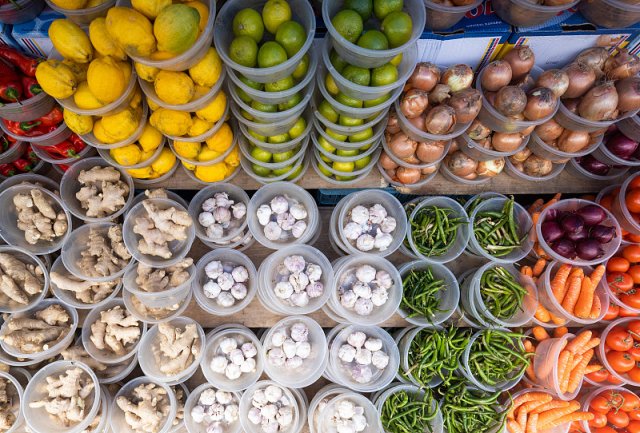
pixel 424 77
pixel 541 103
pixel 597 133
pixel 528 130
pixel 521 59
pixel 490 168
pixel 402 146
pixel 491 98
pixel 595 58
pixel 581 78
pixel 537 167
pixel 496 75
pixel 628 94
pixel 485 143
pixel 414 103
pixel 440 94
pixel 556 2
pixel 600 103
pixel 478 131
pixel 392 174
pixel 386 162
pixel 470 176
pixel 408 175
pixel 387 136
pixel 520 156
pixel 554 79
pixel 506 142
pixel 571 104
pixel 621 65
pixel 429 170
pixel 510 100
pixel 458 77
pixel 518 166
pixel 467 104
pixel 411 160
pixel 430 151
pixel 549 130
pixel 454 147
pixel 461 165
pixel 440 120
pixel 418 122
pixel 573 141
pixel 393 127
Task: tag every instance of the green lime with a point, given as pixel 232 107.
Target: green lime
pixel 296 172
pixel 249 82
pixel 348 152
pixel 357 75
pixel 363 162
pixel 350 121
pixel 290 103
pixel 257 136
pixel 298 128
pixel 283 156
pixel 246 114
pixel 363 7
pixel 271 54
pixel 344 178
pixel 248 22
pixel 331 85
pixel 382 8
pixel 280 85
pixel 396 60
pixel 361 136
pixel 324 170
pixel 283 170
pixel 346 167
pixel 291 35
pixel 373 40
pixel 365 147
pixel 373 102
pixel 336 136
pixel 244 51
pixel 274 13
pixel 279 139
pixel 348 100
pixel 260 170
pixel 260 154
pixel 243 95
pixel 326 145
pixel 265 108
pixel 302 68
pixel 325 158
pixel 384 75
pixel 328 112
pixel 348 23
pixel 338 62
pixel 397 27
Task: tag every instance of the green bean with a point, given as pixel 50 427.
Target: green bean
pixel 466 410
pixel 420 293
pixel 502 295
pixel 496 232
pixel 408 412
pixel 434 230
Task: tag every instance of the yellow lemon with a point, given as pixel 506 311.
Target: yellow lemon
pixel 150 139
pixel 200 92
pixel 221 140
pixel 126 155
pixel 121 125
pixel 174 88
pixel 207 154
pixel 188 165
pixel 78 123
pixel 165 161
pixel 233 158
pixel 215 109
pixel 101 134
pixel 70 4
pixel 161 55
pixel 106 80
pixel 126 70
pixel 136 98
pixel 150 8
pixel 78 69
pixel 203 10
pixel 71 41
pixel 94 3
pixel 146 154
pixel 152 105
pixel 212 173
pixel 102 41
pixel 176 28
pixel 147 73
pixel 199 127
pixel 141 173
pixel 131 30
pixel 171 122
pixel 207 71
pixel 187 149
pixel 56 79
pixel 85 99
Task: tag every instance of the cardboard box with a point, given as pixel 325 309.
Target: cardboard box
pixel 33 37
pixel 5 36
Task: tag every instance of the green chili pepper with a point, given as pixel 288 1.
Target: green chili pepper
pixel 502 295
pixel 420 293
pixel 434 230
pixel 497 232
pixel 467 410
pixel 408 412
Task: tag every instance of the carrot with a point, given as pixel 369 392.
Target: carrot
pixel 579 341
pixel 596 309
pixel 557 319
pixel 530 406
pixel 578 372
pixel 585 299
pixel 574 416
pixel 539 267
pixel 542 314
pixel 530 371
pixel 573 292
pixel 532 424
pixel 576 272
pixel 577 359
pixel 540 334
pixel 551 202
pixel 525 398
pixel 564 384
pixel 597 275
pixel 514 427
pixel 522 420
pixel 535 217
pixel 540 252
pixel 552 415
pixel 559 282
pixel 526 271
pixel 553 404
pixel 563 364
pixel 591 344
pixel 592 368
pixel 535 206
pixel 559 332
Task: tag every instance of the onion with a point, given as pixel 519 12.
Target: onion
pixel 549 130
pixel 440 94
pixel 589 249
pixel 621 65
pixel 571 223
pixel 454 147
pixel 430 170
pixel 402 146
pixel 424 77
pixel 440 120
pixel 621 145
pixel 594 166
pixel 490 168
pixel 485 143
pixel 521 59
pixel 600 103
pixel 414 103
pixel 577 236
pixel 478 131
pixel 518 166
pixel 491 98
pixel 581 79
pixel 496 75
pixel 551 231
pixel 628 94
pixel 458 77
pixel 573 141
pixel 591 214
pixel 554 79
pixel 430 151
pixel 541 103
pixel 520 156
pixel 602 234
pixel 510 100
pixel 595 58
pixel 537 167
pixel 418 122
pixel 467 104
pixel 506 142
pixel 461 165
pixel 386 162
pixel 411 159
pixel 393 127
pixel 528 130
pixel 565 248
pixel 392 174
pixel 408 175
pixel 556 2
pixel 571 104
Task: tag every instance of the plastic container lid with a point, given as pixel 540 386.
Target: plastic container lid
pixel 419 135
pixel 610 13
pixel 7 305
pixel 192 401
pixel 151 314
pixel 526 14
pixel 328 414
pixel 38 419
pixel 91 139
pixel 442 17
pixel 117 420
pixel 512 171
pixel 15 398
pixel 8 220
pixel 545 363
pixel 435 426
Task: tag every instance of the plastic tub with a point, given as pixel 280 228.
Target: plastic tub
pixel 267 117
pixel 435 426
pixel 246 152
pixel 32 108
pixel 441 17
pixel 447 174
pixel 407 188
pixel 587 398
pixel 620 210
pixel 207 134
pixel 118 372
pixel 244 335
pixel 326 155
pixel 512 171
pixel 602 350
pixel 614 175
pixel 341 129
pixel 149 90
pixel 603 154
pixel 610 13
pixel 545 363
pixel 14 152
pixel 147 350
pixel 8 220
pixel 69 186
pixel 170 195
pixel 292 192
pixel 26 10
pixel 178 248
pixel 479 153
pixel 117 420
pixel 46 157
pixel 574 122
pixel 311 368
pixel 404 340
pixel 15 398
pixel 77 243
pixel 629 126
pixel 192 401
pixel 524 225
pixel 231 257
pixel 543 150
pixel 328 414
pixel 235 193
pixel 223 35
pixel 280 147
pixel 191 174
pixel 54 137
pixel 562 428
pixel 267 129
pixel 571 205
pixel 30 178
pixel 322 397
pixel 9 306
pixel 247 166
pixel 153 315
pixel 246 405
pixel 38 419
pixel 378 135
pixel 548 300
pixel 522 13
pixel 84 16
pixel 419 135
pixel 91 139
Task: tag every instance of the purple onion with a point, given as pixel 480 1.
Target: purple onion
pixel 621 145
pixel 552 215
pixel 565 248
pixel 577 236
pixel 551 231
pixel 589 249
pixel 594 166
pixel 591 214
pixel 572 223
pixel 602 234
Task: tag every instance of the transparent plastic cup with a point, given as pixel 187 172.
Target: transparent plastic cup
pixel 405 342
pixel 548 300
pixel 337 177
pixel 562 428
pixel 280 147
pixel 152 315
pixel 170 195
pixel 620 210
pixel 571 205
pixel 447 174
pixel 328 157
pixel 7 305
pixel 610 13
pixel 268 117
pixel 629 127
pixel 192 401
pixel 435 426
pixel 615 174
pixel 545 363
pixel 543 150
pixel 117 420
pixel 26 10
pixel 191 106
pixel 9 230
pixel 178 248
pixel 69 186
pixel 290 394
pixel 341 129
pixel 245 148
pixel 84 16
pixel 52 138
pixel 368 144
pixel 16 399
pixel 38 420
pixel 242 335
pixel 575 122
pixel 322 396
pixel 41 153
pixel 602 153
pixel 419 135
pixel 602 351
pixel 30 109
pixel 91 139
pixel 406 188
pixel 525 14
pixel 292 192
pixel 302 161
pixel 474 150
pixel 267 129
pixel 191 174
pixel 442 17
pixel 512 171
pixel 448 299
pixel 207 134
pixel 327 416
pixel 76 244
pixel 30 178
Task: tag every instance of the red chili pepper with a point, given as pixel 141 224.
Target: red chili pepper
pixel 53 117
pixel 26 64
pixel 65 149
pixel 78 143
pixel 23 165
pixel 63 167
pixel 31 155
pixel 10 84
pixel 4 144
pixel 7 170
pixel 31 87
pixel 22 128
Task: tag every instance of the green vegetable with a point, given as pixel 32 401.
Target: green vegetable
pixel 501 293
pixel 420 293
pixel 467 410
pixel 434 230
pixel 497 232
pixel 408 412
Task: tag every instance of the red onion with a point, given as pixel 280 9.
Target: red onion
pixel 591 214
pixel 551 231
pixel 572 223
pixel 589 249
pixel 565 248
pixel 621 145
pixel 594 166
pixel 577 236
pixel 602 234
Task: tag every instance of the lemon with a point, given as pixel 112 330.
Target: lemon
pixel 248 22
pixel 211 173
pixel 106 79
pixel 396 60
pixel 56 79
pixel 147 73
pixel 348 23
pixel 357 75
pixel 221 140
pixel 271 54
pixel 362 162
pixel 207 71
pixel 265 108
pixel 328 112
pixel 141 173
pixel 84 99
pixel 363 7
pixel 346 166
pixel 174 88
pixel 280 138
pixel 94 3
pixel 260 154
pixel 361 136
pixel 200 91
pixel 373 40
pixel 78 123
pixel 171 122
pixel 131 30
pixel 165 162
pixel 336 136
pixel 284 156
pixel 350 121
pixel 161 55
pixel 136 98
pixel 215 109
pixel 150 139
pixel 347 152
pixel 145 155
pixel 188 165
pixel 199 127
pixel 298 128
pixel 152 105
pixel 176 28
pixel 126 155
pixel 384 75
pixel 244 51
pixel 150 8
pixel 207 154
pixel 326 145
pixel 203 10
pixel 233 158
pixel 101 133
pixel 302 68
pixel 290 103
pixel 274 13
pixel 330 85
pixel 71 41
pixel 187 149
pixel 70 4
pixel 291 35
pixel 102 41
pixel 122 125
pixel 78 69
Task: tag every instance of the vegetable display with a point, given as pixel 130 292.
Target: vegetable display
pixel 406 412
pixel 497 232
pixel 501 293
pixel 535 411
pixel 613 410
pixel 466 409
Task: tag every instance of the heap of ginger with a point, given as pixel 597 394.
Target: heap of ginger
pixel 8 402
pixel 102 193
pixel 159 227
pixel 158 279
pixel 177 348
pixel 19 281
pixel 115 331
pixel 34 335
pixel 147 409
pixel 37 217
pixel 104 255
pixel 87 292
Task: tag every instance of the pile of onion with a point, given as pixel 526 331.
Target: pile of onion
pixel 465 167
pixel 507 142
pixel 530 164
pixel 566 140
pixel 579 233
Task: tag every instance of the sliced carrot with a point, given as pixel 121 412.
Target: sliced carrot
pixel 573 292
pixel 596 309
pixel 585 299
pixel 532 424
pixel 526 271
pixel 553 404
pixel 559 282
pixel 552 415
pixel 575 346
pixel 591 344
pixel 539 267
pixel 540 334
pixel 514 427
pixel 542 314
pixel 574 416
pixel 578 372
pixel 560 331
pixel 597 275
pixel 564 383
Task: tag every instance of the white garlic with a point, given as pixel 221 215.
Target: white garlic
pixel 233 371
pixel 365 242
pixel 249 350
pixel 366 273
pixel 299 332
pixel 218 364
pixel 273 393
pixel 363 307
pixel 380 360
pixel 213 269
pixel 215 231
pixel 231 413
pixel 209 205
pixel 299 281
pixel 276 356
pixel 259 398
pixel 225 300
pixel 283 290
pixel 295 264
pixel 359 423
pixel 216 412
pixel 383 278
pixel 239 210
pixel 236 357
pixel 289 347
pixel 211 289
pixel 279 204
pixel 239 291
pixel 298 229
pixel 208 397
pixel 300 299
pixel 294 362
pixel 377 214
pixel 360 214
pixel 314 272
pixel 222 199
pixel 278 338
pixel 206 219
pixel 272 231
pixel 197 414
pixel 388 225
pixel 264 214
pixel 270 426
pixel 382 241
pixel 254 415
pixel 379 297
pixel 363 356
pixel 224 397
pixel 228 344
pixel 240 274
pixel 348 299
pixel 347 353
pixel 357 339
pixel 315 290
pixel 248 366
pixel 346 409
pixel 352 230
pixel 285 221
pixel 222 215
pixel 225 281
pixel 362 290
pixel 361 373
pixel 373 344
pixel 303 350
pixel 285 416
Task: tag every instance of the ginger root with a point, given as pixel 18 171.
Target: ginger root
pixel 147 409
pixel 9 403
pixel 67 394
pixel 177 348
pixel 102 193
pixel 156 193
pixel 33 335
pixel 37 217
pixel 158 279
pixel 116 331
pixel 104 255
pixel 85 291
pixel 159 228
pixel 181 399
pixel 103 371
pixel 156 313
pixel 18 280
